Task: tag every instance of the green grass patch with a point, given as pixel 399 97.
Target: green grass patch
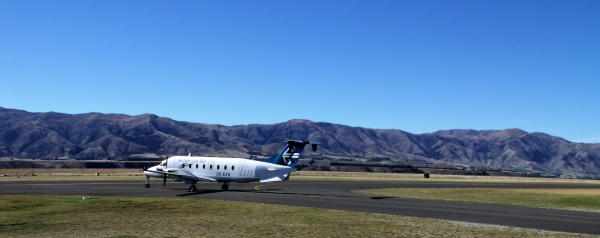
pixel 70 216
pixel 587 199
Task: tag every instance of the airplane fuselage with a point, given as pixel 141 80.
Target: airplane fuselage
pixel 227 170
pixel 221 169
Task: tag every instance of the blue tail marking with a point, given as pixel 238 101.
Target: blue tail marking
pixel 290 154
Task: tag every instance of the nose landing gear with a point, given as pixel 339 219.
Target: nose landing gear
pixel 147 182
pixel 193 187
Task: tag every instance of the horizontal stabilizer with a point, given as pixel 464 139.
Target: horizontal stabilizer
pixel 273 179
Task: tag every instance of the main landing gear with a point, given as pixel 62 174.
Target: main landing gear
pixel 147 182
pixel 225 186
pixel 193 187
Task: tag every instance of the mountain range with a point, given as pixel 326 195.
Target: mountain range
pixel 116 136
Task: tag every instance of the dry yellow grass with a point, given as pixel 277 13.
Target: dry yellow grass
pixel 405 177
pixel 71 174
pixel 136 174
pixel 70 216
pixel 69 171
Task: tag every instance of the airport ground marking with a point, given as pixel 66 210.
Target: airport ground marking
pixel 259 186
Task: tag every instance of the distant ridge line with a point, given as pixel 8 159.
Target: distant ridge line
pixel 116 136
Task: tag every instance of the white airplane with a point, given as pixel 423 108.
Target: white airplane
pixel 227 170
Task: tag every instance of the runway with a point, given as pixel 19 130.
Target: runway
pixel 338 195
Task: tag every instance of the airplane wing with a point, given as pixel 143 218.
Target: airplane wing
pixel 184 175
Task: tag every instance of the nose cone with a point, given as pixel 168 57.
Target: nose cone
pixel 150 172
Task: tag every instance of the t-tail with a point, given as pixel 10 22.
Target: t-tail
pixel 291 153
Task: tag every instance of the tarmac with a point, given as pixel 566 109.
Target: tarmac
pixel 338 195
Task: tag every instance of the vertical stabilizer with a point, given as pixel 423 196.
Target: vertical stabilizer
pixel 291 153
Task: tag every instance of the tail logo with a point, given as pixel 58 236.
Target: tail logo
pixel 288 158
pixel 291 155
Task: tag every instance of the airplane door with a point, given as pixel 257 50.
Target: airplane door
pixel 247 173
pixel 252 172
pixel 244 172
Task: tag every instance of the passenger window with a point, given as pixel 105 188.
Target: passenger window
pixel 211 166
pixel 218 166
pixel 232 167
pixel 196 166
pixel 190 166
pixel 225 167
pixel 204 166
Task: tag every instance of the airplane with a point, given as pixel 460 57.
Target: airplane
pixel 227 170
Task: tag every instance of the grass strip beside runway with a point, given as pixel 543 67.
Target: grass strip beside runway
pixel 441 178
pixel 582 199
pixel 70 216
pixel 28 175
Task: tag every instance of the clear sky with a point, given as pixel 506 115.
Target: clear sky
pixel 418 66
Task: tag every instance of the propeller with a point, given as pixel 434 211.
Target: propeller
pixel 145 167
pixel 164 175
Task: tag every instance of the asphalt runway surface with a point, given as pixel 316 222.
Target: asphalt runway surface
pixel 338 195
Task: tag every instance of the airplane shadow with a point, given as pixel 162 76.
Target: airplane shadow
pixel 209 191
pixel 264 191
pixel 380 197
pixel 201 192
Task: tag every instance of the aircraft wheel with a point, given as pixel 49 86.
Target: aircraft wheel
pixel 224 187
pixel 192 188
pixel 147 185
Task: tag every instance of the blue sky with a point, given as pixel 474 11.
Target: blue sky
pixel 418 66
